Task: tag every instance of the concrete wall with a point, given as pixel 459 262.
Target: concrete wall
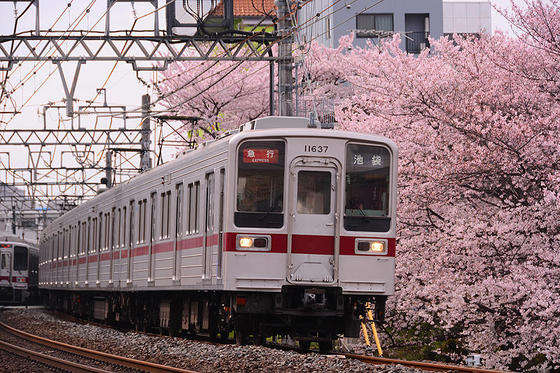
pixel 467 16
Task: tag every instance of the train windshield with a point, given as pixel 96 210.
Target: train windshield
pixel 260 185
pixel 20 258
pixel 367 189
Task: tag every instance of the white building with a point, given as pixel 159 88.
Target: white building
pixel 467 17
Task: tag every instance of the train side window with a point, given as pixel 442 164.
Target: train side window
pixel 196 202
pixel 72 238
pixel 153 216
pixel 189 207
pixel 72 241
pixel 20 258
pixel 165 207
pixel 162 219
pixel 209 203
pixel 59 243
pixel 117 243
pixel 79 234
pixel 89 246
pixel 260 184
pixel 113 229
pixel 63 243
pixel 168 213
pixel 131 225
pixel 140 230
pixel 142 220
pixel 108 230
pixel 94 239
pixel 100 239
pixel 194 190
pixel 3 261
pixel 68 237
pixel 178 209
pixel 144 208
pixel 123 232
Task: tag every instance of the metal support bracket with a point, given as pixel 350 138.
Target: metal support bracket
pixel 69 93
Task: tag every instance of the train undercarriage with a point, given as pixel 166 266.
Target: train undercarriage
pixel 305 314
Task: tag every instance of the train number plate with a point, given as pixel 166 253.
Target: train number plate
pixel 315 148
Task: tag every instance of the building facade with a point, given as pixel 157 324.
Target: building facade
pixel 372 20
pixel 325 21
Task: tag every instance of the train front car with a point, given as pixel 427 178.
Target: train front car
pixel 18 271
pixel 312 236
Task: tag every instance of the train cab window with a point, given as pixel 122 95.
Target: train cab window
pixel 4 261
pixel 260 184
pixel 367 189
pixel 20 258
pixel 314 192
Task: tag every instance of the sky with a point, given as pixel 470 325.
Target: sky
pixel 121 85
pixel 498 21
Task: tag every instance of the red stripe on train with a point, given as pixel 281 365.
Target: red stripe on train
pixel 14 279
pixel 301 244
pixel 307 244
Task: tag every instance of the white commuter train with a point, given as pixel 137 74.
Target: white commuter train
pixel 19 262
pixel 275 228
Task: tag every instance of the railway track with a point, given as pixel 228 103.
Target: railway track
pixel 151 367
pixel 67 365
pixel 434 367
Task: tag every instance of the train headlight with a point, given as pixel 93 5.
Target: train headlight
pixel 253 243
pixel 245 242
pixel 371 247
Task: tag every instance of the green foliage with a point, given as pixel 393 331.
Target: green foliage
pixel 427 342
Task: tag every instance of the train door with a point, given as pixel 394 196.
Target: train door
pixel 221 223
pixel 152 238
pixel 209 238
pixel 179 206
pixel 313 242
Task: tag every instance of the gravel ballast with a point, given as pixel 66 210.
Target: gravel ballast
pixel 188 354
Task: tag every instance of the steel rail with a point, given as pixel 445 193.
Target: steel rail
pixel 97 355
pixel 51 361
pixel 435 367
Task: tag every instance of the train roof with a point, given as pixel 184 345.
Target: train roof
pixel 12 238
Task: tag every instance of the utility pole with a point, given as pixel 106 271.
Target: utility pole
pixel 145 161
pixel 13 219
pixel 109 168
pixel 285 59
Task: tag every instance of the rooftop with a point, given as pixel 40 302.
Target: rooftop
pixel 248 8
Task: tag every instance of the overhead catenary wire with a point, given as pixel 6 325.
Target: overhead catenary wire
pixel 230 70
pixel 77 22
pixel 42 63
pixel 258 70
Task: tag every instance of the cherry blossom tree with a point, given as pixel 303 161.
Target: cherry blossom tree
pixel 479 222
pixel 225 94
pixel 478 258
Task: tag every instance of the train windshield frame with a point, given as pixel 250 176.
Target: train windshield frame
pixel 260 184
pixel 20 258
pixel 367 188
